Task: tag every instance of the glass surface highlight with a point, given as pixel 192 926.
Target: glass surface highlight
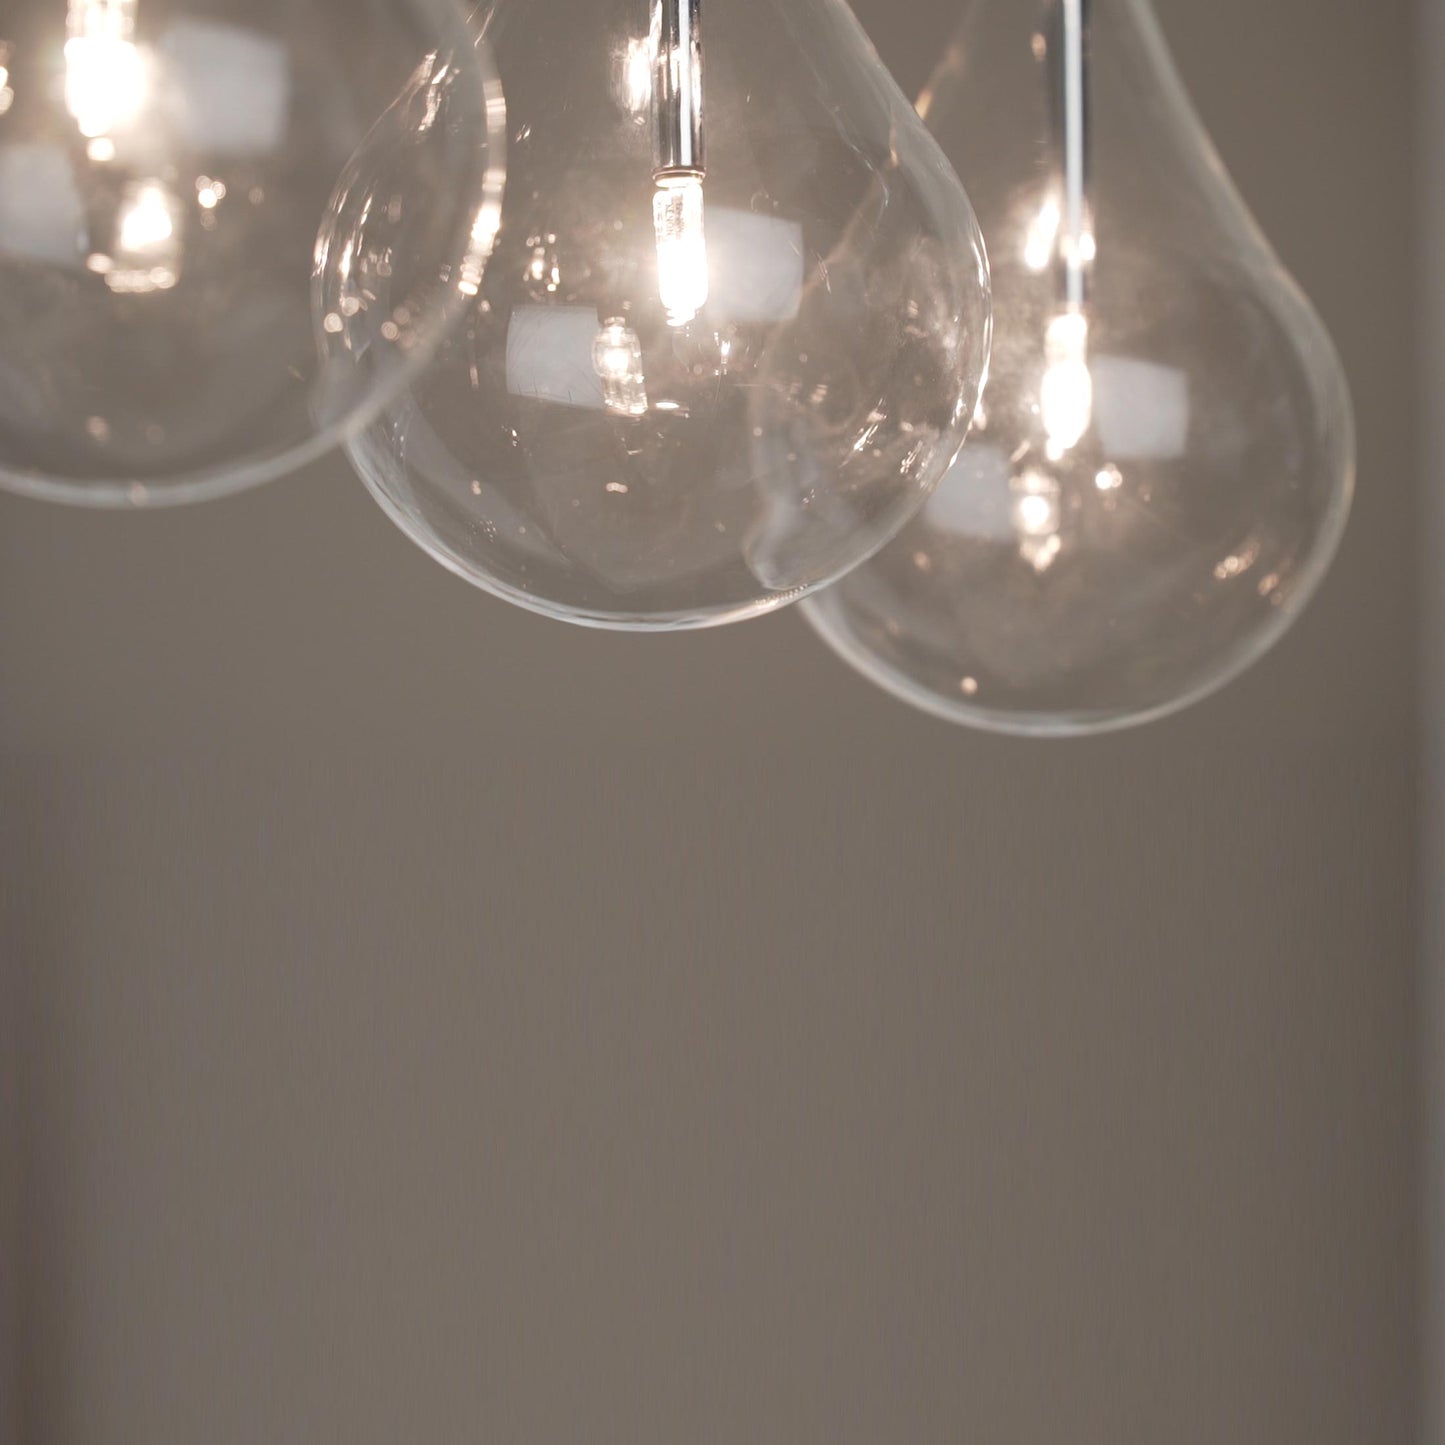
pixel 166 167
pixel 732 331
pixel 1161 467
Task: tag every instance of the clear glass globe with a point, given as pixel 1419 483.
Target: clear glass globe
pixel 731 333
pixel 1162 464
pixel 165 169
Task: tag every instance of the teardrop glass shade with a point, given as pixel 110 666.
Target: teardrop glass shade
pixel 732 331
pixel 1162 465
pixel 165 169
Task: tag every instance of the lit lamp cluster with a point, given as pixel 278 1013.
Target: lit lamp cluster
pixel 667 334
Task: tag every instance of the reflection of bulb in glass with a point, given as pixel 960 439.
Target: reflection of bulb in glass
pixel 1161 468
pixel 696 382
pixel 146 219
pixel 165 168
pixel 617 355
pixel 681 248
pixel 1037 518
pixel 148 250
pixel 634 76
pixel 1043 236
pixel 1066 397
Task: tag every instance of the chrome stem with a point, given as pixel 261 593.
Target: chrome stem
pixel 677 91
pixel 1069 56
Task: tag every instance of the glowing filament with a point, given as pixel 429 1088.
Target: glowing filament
pixel 105 75
pixel 677 212
pixel 1066 399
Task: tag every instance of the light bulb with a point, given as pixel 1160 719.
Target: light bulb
pixel 1162 463
pixel 166 167
pixel 105 71
pixel 730 335
pixel 681 248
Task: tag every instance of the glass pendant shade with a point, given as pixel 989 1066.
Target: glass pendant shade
pixel 1162 463
pixel 166 167
pixel 730 335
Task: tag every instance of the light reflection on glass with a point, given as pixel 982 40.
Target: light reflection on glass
pixel 1066 399
pixel 1042 235
pixel 550 356
pixel 1047 239
pixel 617 356
pixel 635 65
pixel 1037 517
pixel 147 253
pixel 1238 563
pixel 232 84
pixel 755 266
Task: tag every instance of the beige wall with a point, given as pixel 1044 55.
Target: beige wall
pixel 1430 59
pixel 422 1022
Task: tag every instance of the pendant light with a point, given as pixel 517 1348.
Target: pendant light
pixel 165 167
pixel 1162 463
pixel 731 333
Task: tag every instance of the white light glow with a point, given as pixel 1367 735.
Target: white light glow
pixel 484 237
pixel 1047 239
pixel 636 66
pixel 1036 504
pixel 1066 398
pixel 147 243
pixel 105 72
pixel 1043 234
pixel 146 223
pixel 682 280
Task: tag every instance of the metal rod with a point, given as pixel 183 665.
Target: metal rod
pixel 677 89
pixel 1071 121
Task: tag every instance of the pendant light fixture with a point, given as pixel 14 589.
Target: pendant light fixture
pixel 1162 463
pixel 730 335
pixel 165 166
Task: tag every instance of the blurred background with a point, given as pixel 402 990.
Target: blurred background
pixel 422 1021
